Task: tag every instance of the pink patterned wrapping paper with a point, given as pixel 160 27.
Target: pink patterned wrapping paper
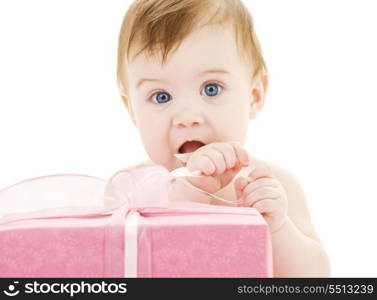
pixel 182 239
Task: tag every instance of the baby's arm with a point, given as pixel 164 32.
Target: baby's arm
pixel 297 250
pixel 297 241
pixel 276 194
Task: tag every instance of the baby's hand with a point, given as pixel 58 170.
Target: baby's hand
pixel 264 192
pixel 220 162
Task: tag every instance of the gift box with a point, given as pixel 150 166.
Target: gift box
pixel 135 237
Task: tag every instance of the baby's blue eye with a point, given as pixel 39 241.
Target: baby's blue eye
pixel 212 89
pixel 161 97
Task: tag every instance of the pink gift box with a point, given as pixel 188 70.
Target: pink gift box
pixel 171 240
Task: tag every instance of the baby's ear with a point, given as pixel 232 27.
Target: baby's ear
pixel 258 96
pixel 127 103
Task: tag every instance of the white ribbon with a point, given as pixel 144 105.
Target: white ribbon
pixel 130 247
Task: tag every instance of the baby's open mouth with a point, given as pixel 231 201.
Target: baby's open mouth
pixel 190 146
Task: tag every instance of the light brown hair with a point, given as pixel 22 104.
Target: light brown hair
pixel 160 26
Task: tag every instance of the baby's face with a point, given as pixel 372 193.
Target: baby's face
pixel 203 94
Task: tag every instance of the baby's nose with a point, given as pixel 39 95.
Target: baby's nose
pixel 187 119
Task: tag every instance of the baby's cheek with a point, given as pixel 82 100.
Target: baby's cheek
pixel 157 154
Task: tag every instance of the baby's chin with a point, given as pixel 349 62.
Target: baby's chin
pixel 175 163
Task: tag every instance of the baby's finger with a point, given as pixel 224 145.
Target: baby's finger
pixel 259 172
pixel 201 162
pixel 260 194
pixel 228 152
pixel 266 206
pixel 258 183
pixel 241 153
pixel 217 159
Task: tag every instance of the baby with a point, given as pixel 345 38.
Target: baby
pixel 192 75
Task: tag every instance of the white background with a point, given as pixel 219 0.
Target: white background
pixel 60 111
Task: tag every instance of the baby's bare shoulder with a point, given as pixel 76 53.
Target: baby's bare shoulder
pixel 286 178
